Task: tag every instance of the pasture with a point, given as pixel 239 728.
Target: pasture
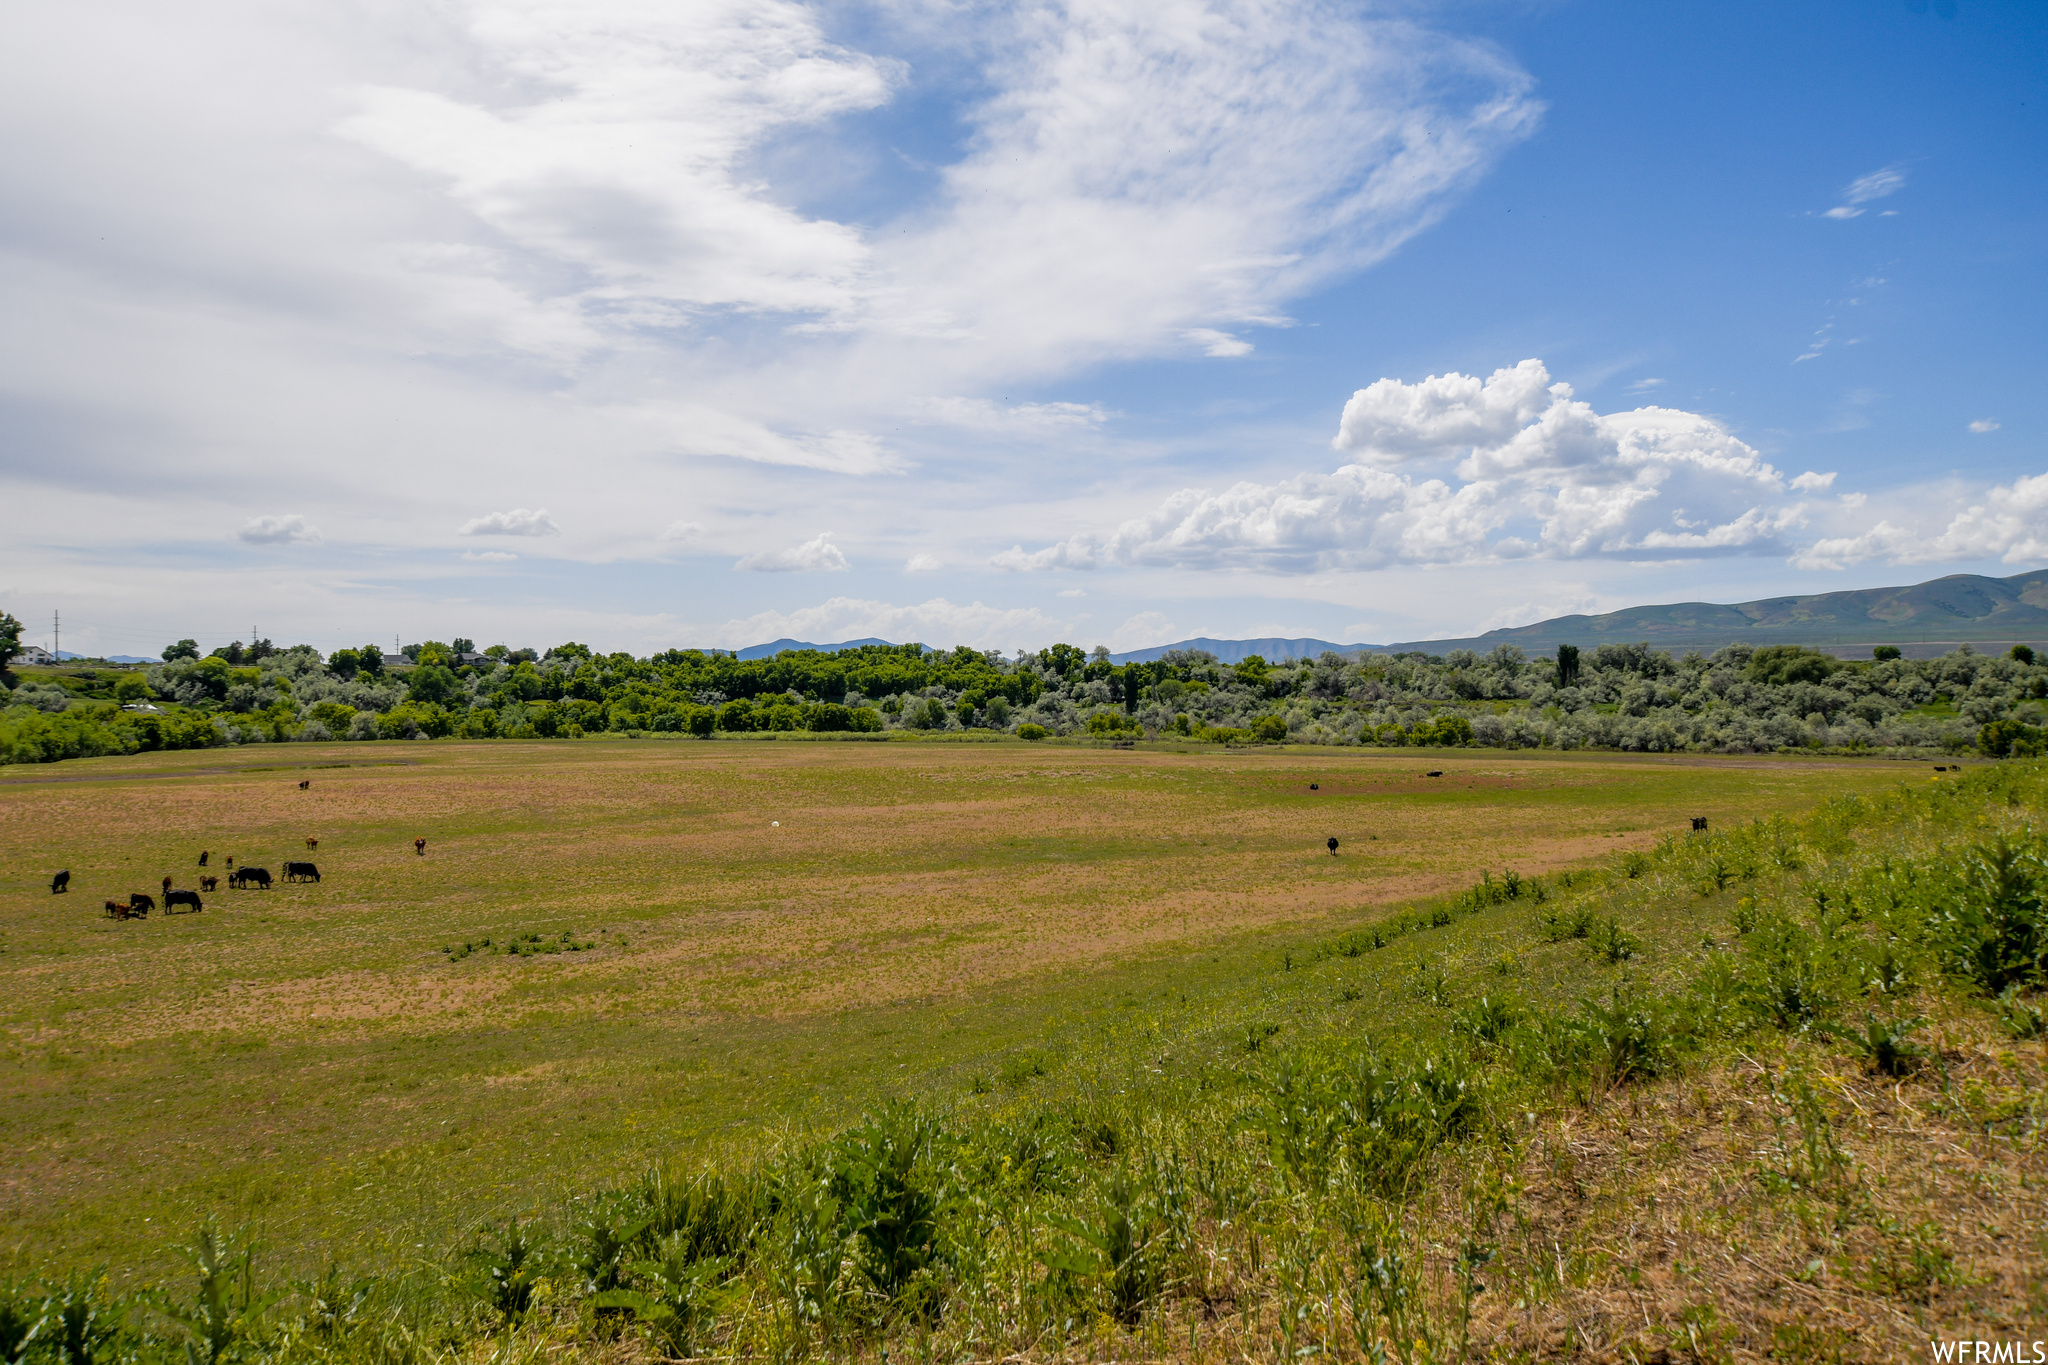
pixel 747 937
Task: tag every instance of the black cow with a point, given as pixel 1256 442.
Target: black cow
pixel 301 872
pixel 140 903
pixel 177 898
pixel 1333 846
pixel 1434 772
pixel 1699 822
pixel 61 882
pixel 202 857
pixel 246 877
pixel 307 783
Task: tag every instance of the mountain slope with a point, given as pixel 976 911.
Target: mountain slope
pixel 1945 611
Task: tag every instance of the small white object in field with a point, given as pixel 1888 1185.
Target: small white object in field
pixel 775 824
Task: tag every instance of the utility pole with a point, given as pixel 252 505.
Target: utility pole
pixel 56 638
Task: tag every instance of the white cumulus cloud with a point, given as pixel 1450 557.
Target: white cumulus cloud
pixel 1810 482
pixel 923 563
pixel 1518 468
pixel 518 522
pixel 817 554
pixel 285 530
pixel 2007 522
pixel 1982 425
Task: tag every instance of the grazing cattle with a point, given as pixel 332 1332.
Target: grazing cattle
pixel 1314 787
pixel 208 883
pixel 307 783
pixel 231 864
pixel 167 886
pixel 247 877
pixel 140 903
pixel 202 857
pixel 419 846
pixel 1434 772
pixel 176 898
pixel 117 910
pixel 312 844
pixel 1333 845
pixel 1699 822
pixel 61 882
pixel 301 872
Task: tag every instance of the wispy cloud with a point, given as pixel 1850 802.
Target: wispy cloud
pixel 1864 188
pixel 1982 425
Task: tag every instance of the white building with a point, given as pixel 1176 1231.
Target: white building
pixel 36 654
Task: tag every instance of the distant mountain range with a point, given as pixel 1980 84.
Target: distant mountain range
pixel 1925 619
pixel 775 647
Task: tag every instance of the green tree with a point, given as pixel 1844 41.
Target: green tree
pixel 1777 665
pixel 370 660
pixel 1254 672
pixel 10 640
pixel 1271 729
pixel 1567 665
pixel 131 687
pixel 2024 653
pixel 343 663
pixel 1885 653
pixel 462 644
pixel 184 649
pixel 433 683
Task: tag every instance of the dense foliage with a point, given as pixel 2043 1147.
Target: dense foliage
pixel 1318 1189
pixel 1616 696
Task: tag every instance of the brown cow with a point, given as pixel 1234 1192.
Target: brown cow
pixel 307 783
pixel 167 886
pixel 117 910
pixel 202 857
pixel 419 846
pixel 312 844
pixel 208 883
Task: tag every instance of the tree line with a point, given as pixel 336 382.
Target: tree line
pixel 1632 697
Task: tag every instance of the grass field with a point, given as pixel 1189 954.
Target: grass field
pixel 782 932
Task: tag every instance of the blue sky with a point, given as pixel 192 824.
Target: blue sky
pixel 652 324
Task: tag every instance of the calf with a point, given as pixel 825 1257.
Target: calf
pixel 419 846
pixel 117 910
pixel 140 903
pixel 177 898
pixel 167 886
pixel 208 883
pixel 312 844
pixel 202 857
pixel 61 882
pixel 301 872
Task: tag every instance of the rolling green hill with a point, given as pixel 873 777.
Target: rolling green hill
pixel 1924 619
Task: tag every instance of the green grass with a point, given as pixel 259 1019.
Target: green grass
pixel 991 926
